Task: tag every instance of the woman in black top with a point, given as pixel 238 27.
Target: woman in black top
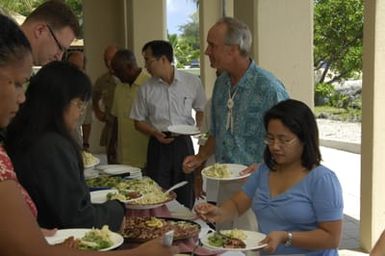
pixel 46 156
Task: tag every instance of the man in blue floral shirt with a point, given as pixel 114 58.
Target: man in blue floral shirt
pixel 241 96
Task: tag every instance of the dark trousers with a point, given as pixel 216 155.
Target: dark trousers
pixel 164 165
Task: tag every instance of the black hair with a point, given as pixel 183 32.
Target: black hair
pixel 160 48
pixel 48 96
pixel 14 45
pixel 299 119
pixel 123 58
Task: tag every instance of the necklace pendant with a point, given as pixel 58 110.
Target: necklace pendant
pixel 230 103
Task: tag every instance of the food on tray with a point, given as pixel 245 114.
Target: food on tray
pixel 95 239
pixel 150 192
pixel 218 170
pixel 142 229
pixel 89 159
pixel 104 181
pixel 124 195
pixel 228 239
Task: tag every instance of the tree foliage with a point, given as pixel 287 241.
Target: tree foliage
pixel 338 36
pixel 186 45
pixel 25 7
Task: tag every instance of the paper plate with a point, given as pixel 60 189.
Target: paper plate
pixel 233 169
pixel 100 196
pixel 252 241
pixel 184 129
pixel 78 233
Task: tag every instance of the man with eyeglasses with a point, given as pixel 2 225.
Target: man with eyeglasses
pixel 50 29
pixel 166 99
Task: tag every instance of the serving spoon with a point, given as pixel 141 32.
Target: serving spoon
pixel 178 185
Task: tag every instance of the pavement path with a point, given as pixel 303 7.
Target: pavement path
pixel 339 131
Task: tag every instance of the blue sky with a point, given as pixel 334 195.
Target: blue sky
pixel 178 13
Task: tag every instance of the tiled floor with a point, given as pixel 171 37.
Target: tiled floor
pixel 347 167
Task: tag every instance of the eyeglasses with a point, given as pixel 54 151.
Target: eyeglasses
pixel 281 141
pixel 61 48
pixel 148 62
pixel 82 106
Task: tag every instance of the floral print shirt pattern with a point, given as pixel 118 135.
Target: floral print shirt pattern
pixel 255 93
pixel 7 173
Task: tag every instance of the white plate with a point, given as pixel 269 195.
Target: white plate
pixel 234 170
pixel 114 169
pixel 184 129
pixel 100 196
pixel 122 170
pixel 63 234
pixel 90 173
pixel 252 241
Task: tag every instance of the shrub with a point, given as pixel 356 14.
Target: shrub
pixel 322 93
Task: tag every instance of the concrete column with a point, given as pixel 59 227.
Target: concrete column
pixel 373 125
pixel 103 25
pixel 282 41
pixel 146 21
pixel 209 13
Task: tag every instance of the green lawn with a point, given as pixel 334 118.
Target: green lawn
pixel 341 114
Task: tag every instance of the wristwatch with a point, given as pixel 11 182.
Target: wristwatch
pixel 289 240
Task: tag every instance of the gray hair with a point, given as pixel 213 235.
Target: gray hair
pixel 238 33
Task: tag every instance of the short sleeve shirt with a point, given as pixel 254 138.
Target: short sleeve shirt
pixel 316 198
pixel 7 173
pixel 105 86
pixel 256 92
pixel 163 105
pixel 132 144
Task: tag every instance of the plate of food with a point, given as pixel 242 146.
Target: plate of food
pixel 234 240
pixel 142 229
pixel 184 129
pixel 89 239
pixel 103 182
pixel 89 160
pixel 153 194
pixel 224 172
pixel 101 196
pixel 125 196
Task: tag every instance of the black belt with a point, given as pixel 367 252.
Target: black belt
pixel 171 134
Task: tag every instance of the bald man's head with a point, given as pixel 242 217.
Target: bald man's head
pixel 109 53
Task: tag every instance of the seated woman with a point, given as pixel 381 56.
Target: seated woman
pixel 46 157
pixel 298 202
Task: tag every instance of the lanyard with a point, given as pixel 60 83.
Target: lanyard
pixel 230 105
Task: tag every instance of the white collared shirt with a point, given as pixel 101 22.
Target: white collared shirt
pixel 163 105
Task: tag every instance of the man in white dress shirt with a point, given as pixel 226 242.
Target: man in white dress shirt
pixel 164 100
